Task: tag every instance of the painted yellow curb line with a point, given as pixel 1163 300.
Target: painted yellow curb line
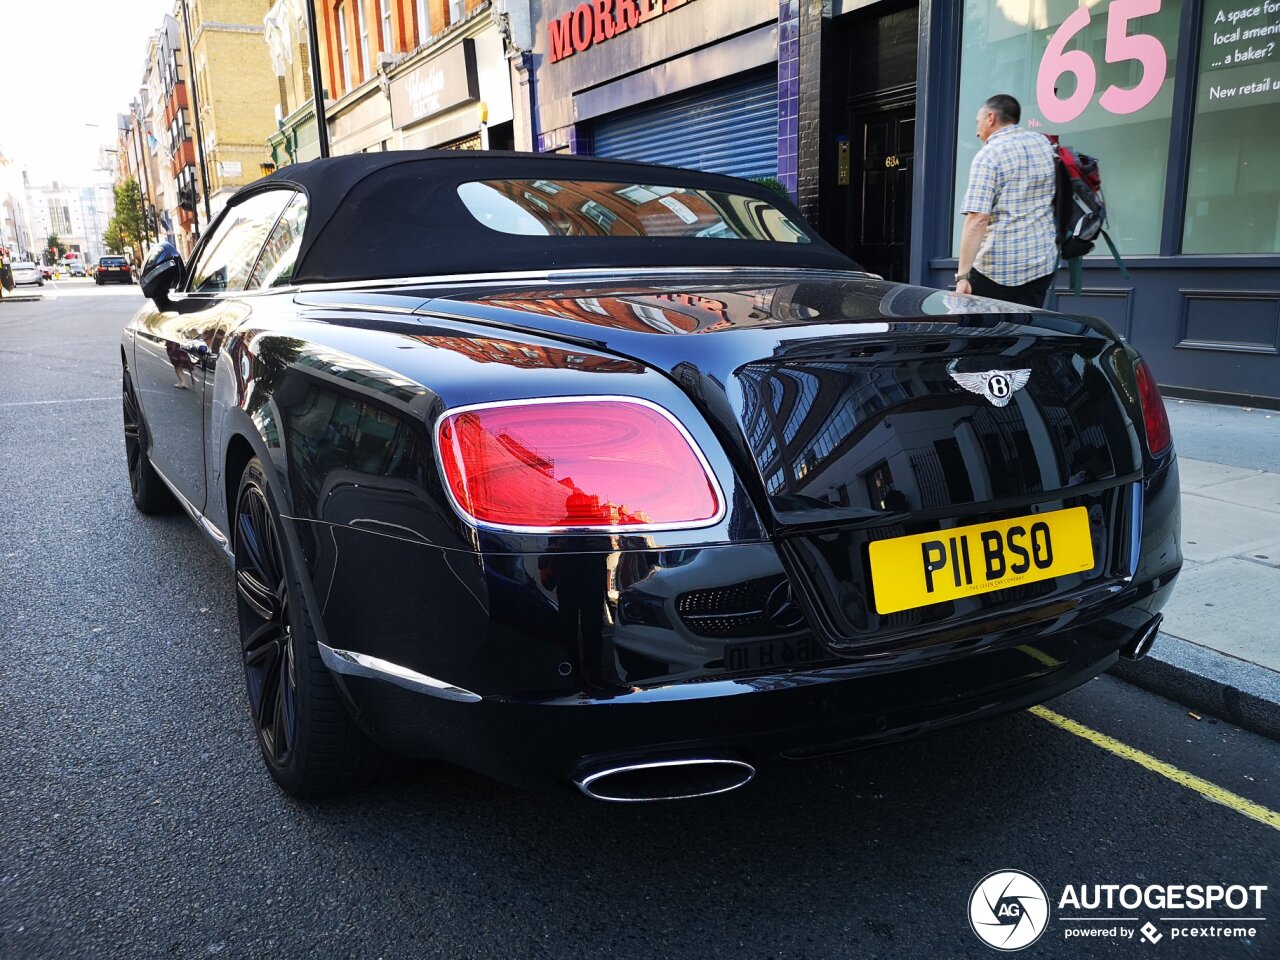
pixel 1210 791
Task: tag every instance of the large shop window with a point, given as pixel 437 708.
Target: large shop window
pixel 1233 191
pixel 1100 74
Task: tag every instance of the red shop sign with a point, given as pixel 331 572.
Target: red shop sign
pixel 601 20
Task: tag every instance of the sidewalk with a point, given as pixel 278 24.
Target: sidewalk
pixel 1219 646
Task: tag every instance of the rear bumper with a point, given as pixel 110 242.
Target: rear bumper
pixel 543 702
pixel 538 742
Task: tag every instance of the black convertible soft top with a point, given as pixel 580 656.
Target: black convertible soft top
pixel 398 214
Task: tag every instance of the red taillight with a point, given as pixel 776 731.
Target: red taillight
pixel 592 462
pixel 1154 418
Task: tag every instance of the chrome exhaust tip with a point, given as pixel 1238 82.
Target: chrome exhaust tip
pixel 1140 645
pixel 676 779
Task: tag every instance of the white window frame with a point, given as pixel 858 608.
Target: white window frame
pixel 344 44
pixel 424 22
pixel 366 65
pixel 384 16
pixel 457 11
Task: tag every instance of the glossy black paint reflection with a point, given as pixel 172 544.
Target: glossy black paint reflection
pixel 757 634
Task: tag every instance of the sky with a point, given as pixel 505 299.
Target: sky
pixel 65 64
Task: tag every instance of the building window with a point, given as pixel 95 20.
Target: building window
pixel 61 217
pixel 457 10
pixel 384 15
pixel 424 22
pixel 344 44
pixel 366 64
pixel 654 317
pixel 1232 202
pixel 1092 73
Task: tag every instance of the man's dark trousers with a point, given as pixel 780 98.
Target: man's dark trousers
pixel 1029 294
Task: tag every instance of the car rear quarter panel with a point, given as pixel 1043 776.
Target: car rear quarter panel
pixel 341 406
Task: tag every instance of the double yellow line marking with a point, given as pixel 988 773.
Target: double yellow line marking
pixel 1210 791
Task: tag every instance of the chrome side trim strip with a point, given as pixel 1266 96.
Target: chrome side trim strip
pixel 586 274
pixel 216 536
pixel 362 665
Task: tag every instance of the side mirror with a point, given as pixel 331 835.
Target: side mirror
pixel 161 273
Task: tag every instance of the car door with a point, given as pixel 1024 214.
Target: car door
pixel 176 348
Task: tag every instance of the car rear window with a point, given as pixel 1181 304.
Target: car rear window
pixel 112 261
pixel 596 208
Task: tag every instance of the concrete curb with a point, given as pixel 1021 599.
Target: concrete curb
pixel 1244 693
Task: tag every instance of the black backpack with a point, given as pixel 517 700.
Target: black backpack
pixel 1079 210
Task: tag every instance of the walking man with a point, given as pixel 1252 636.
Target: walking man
pixel 1008 246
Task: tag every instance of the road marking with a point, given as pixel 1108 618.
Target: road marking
pixel 37 403
pixel 1210 791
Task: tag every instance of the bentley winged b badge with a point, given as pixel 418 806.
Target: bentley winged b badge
pixel 996 385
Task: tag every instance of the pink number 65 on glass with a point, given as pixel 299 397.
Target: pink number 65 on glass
pixel 1143 47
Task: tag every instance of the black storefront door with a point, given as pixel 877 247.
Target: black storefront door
pixel 882 145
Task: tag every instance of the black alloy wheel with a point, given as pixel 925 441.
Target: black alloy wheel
pixel 150 495
pixel 309 742
pixel 265 625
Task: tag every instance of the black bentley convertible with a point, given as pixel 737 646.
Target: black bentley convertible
pixel 577 471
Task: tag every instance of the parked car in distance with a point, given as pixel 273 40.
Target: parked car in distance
pixel 112 269
pixel 46 271
pixel 26 272
pixel 75 269
pixel 618 477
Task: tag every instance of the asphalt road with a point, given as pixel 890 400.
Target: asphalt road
pixel 136 819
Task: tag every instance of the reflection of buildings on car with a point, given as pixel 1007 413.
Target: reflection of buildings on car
pixel 646 310
pixel 579 208
pixel 809 421
pixel 512 354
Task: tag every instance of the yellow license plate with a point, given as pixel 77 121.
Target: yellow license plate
pixel 929 568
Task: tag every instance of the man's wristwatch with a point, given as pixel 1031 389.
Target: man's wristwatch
pixel 961 276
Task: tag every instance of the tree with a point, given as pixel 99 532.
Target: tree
pixel 128 222
pixel 55 247
pixel 111 239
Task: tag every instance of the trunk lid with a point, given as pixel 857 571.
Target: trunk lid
pixel 862 411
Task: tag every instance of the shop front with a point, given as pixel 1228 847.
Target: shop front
pixel 704 84
pixel 1180 102
pixel 457 96
pixel 452 92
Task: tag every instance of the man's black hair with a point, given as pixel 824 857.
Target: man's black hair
pixel 1005 107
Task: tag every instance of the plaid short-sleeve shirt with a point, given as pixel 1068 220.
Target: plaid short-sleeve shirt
pixel 1012 179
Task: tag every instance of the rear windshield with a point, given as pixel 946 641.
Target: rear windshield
pixel 595 208
pixel 112 261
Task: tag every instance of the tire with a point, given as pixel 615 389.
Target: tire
pixel 309 742
pixel 98 281
pixel 150 495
